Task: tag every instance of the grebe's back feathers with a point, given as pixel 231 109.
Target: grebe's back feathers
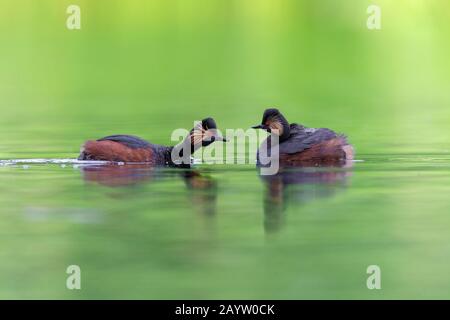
pixel 302 138
pixel 128 140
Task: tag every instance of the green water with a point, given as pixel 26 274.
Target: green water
pixel 222 231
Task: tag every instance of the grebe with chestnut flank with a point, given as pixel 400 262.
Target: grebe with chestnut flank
pixel 299 145
pixel 126 148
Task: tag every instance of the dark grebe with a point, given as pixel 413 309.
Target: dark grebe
pixel 126 148
pixel 299 145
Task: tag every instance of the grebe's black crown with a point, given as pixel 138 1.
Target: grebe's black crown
pixel 209 123
pixel 274 120
pixel 269 113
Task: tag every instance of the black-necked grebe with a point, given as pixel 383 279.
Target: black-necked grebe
pixel 126 148
pixel 299 145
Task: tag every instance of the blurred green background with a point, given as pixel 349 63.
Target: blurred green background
pixel 148 67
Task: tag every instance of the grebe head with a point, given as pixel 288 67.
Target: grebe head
pixel 273 121
pixel 205 133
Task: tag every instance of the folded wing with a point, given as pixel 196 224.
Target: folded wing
pixel 303 138
pixel 130 141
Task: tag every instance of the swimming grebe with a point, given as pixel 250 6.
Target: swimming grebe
pixel 126 148
pixel 299 145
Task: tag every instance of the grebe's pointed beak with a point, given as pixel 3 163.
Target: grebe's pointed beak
pixel 260 126
pixel 220 138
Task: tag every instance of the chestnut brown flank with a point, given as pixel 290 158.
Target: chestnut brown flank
pixel 303 146
pixel 114 151
pixel 329 152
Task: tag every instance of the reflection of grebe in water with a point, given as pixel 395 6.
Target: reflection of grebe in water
pixel 298 186
pixel 203 189
pixel 120 175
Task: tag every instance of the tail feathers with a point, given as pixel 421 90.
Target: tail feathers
pixel 346 147
pixel 349 152
pixel 82 156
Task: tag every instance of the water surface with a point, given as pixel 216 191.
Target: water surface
pixel 222 231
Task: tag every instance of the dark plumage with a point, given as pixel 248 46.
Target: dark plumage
pixel 130 141
pixel 302 138
pixel 127 148
pixel 299 145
